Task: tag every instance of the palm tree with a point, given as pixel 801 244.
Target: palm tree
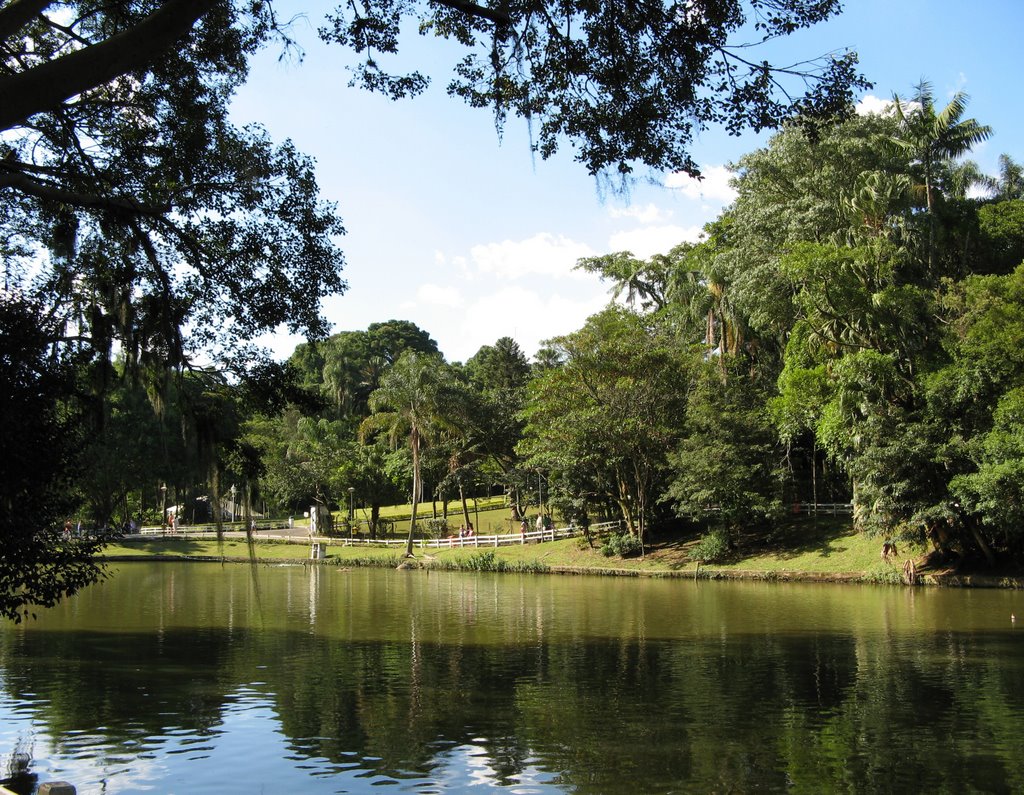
pixel 337 381
pixel 700 285
pixel 642 281
pixel 968 174
pixel 933 137
pixel 1010 183
pixel 408 404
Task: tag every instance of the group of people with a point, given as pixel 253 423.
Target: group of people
pixel 544 522
pixel 78 530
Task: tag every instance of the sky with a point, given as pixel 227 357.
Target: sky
pixel 472 237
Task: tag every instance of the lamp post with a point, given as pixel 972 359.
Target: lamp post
pixel 351 508
pixel 163 505
pixel 233 490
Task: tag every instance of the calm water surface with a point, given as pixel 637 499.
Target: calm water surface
pixel 201 678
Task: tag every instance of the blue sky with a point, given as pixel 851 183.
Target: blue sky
pixel 473 238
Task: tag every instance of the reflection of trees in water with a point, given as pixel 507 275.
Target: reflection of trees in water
pixel 127 683
pixel 812 711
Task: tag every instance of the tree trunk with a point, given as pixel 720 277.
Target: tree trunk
pixel 983 545
pixel 374 518
pixel 858 509
pixel 247 511
pixel 215 506
pixel 814 477
pixel 513 499
pixel 415 444
pixel 465 506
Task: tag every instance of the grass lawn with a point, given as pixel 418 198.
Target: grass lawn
pixel 826 548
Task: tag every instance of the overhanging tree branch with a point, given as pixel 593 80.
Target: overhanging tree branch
pixel 45 87
pixel 16 14
pixel 497 16
pixel 44 190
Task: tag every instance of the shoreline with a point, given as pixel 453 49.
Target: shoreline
pixel 940 579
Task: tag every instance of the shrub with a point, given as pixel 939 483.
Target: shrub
pixel 489 561
pixel 621 544
pixel 483 561
pixel 437 528
pixel 712 547
pixel 884 575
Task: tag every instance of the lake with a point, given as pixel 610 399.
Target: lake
pixel 208 678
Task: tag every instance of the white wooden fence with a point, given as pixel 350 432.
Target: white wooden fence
pixel 504 539
pixel 456 542
pixel 266 531
pixel 830 508
pixel 204 529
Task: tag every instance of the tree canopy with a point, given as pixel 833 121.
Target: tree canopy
pixel 186 234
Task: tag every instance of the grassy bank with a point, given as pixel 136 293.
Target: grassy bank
pixel 488 514
pixel 826 549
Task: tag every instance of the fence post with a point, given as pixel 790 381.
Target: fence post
pixel 56 788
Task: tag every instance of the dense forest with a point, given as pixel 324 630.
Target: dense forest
pixel 849 329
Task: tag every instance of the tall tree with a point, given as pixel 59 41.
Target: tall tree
pixel 407 405
pixel 791 191
pixel 499 375
pixel 42 435
pixel 932 138
pixel 644 282
pixel 606 419
pixel 1010 183
pixel 725 466
pixel 365 469
pixel 976 398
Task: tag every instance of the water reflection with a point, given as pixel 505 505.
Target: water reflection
pixel 195 678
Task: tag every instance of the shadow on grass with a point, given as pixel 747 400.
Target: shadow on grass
pixel 792 538
pixel 162 545
pixel 798 536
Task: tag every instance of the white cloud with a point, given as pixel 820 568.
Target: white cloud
pixel 544 254
pixel 871 104
pixel 648 214
pixel 281 343
pixel 439 296
pixel 651 240
pixel 713 187
pixel 528 316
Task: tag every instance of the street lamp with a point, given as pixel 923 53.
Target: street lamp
pixel 351 509
pixel 233 490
